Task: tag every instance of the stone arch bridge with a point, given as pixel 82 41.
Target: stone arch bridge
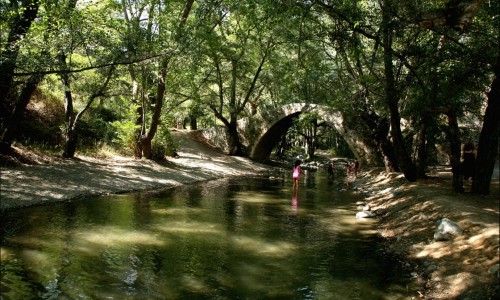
pixel 262 132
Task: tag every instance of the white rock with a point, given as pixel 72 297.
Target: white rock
pixel 365 214
pixel 447 230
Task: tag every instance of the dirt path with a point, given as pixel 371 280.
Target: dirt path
pixel 464 268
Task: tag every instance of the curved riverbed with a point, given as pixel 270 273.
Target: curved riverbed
pixel 225 239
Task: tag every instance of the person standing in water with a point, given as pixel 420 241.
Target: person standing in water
pixel 356 168
pixel 296 176
pixel 330 171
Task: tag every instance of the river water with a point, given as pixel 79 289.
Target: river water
pixel 225 239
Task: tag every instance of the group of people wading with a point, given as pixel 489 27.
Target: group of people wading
pixel 352 168
pixel 468 167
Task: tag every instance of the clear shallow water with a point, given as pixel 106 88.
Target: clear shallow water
pixel 230 239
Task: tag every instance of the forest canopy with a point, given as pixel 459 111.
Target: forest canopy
pixel 408 77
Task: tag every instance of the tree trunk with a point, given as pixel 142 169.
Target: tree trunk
pixel 422 149
pixel 488 140
pixel 380 134
pixel 71 142
pixel 193 122
pixel 454 138
pixel 403 159
pixel 15 118
pixel 18 29
pixel 390 161
pixel 146 147
pixel 138 133
pixel 147 138
pixel 235 146
pixel 71 133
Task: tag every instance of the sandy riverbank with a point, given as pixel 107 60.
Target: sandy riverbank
pixel 86 176
pixel 463 268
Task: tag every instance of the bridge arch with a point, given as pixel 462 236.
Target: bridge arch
pixel 261 133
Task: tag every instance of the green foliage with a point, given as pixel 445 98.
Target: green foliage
pixel 42 121
pixel 163 144
pixel 96 127
pixel 325 52
pixel 125 138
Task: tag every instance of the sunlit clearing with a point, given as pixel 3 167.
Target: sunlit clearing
pixel 272 249
pixel 113 235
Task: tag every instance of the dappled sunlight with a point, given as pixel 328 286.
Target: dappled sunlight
pixel 435 250
pixel 5 253
pixel 40 262
pixel 264 248
pixel 478 242
pixel 37 241
pixel 189 227
pixel 176 211
pixel 194 284
pixel 214 240
pixel 344 221
pixel 485 238
pixel 252 197
pixel 460 282
pixel 491 210
pixel 116 236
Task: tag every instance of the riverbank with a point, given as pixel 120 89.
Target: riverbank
pixel 465 268
pixel 56 179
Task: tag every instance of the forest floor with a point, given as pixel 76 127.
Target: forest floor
pixel 466 267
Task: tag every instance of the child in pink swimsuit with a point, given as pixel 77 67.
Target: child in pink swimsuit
pixel 296 175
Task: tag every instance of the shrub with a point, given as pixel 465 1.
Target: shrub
pixel 43 118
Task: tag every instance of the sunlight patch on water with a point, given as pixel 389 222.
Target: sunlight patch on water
pixel 111 235
pixel 40 261
pixel 189 227
pixel 271 249
pixel 31 241
pixel 345 221
pixel 177 211
pixel 252 197
pixel 5 253
pixel 194 284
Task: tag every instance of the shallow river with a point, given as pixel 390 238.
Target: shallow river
pixel 227 239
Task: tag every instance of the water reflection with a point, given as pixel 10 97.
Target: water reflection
pixel 217 240
pixel 295 202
